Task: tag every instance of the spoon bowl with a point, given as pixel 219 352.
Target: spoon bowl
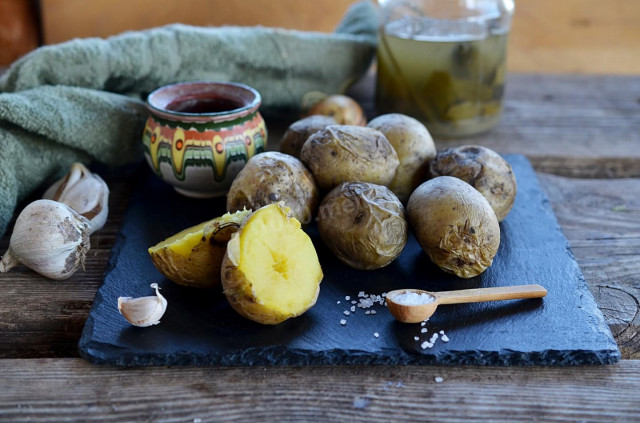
pixel 416 305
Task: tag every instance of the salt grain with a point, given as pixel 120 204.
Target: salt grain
pixel 416 338
pixel 347 298
pixel 346 312
pixel 376 334
pixel 421 324
pixel 445 338
pixel 441 332
pixel 424 345
pixel 338 302
pixel 343 322
pixel 413 298
pixel 373 312
pixel 438 379
pixel 353 309
pixel 423 330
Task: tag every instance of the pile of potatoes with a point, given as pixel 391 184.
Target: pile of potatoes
pixel 355 179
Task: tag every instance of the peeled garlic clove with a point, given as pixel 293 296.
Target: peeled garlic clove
pixel 50 238
pixel 143 311
pixel 83 191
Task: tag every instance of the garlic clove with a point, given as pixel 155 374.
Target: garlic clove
pixel 143 311
pixel 50 238
pixel 83 191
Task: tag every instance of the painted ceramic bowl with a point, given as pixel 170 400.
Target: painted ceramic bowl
pixel 199 135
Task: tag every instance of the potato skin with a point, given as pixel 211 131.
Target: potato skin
pixel 344 109
pixel 272 177
pixel 455 225
pixel 363 224
pixel 345 153
pixel 415 148
pixel 482 168
pixel 298 132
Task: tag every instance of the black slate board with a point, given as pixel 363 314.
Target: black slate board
pixel 199 327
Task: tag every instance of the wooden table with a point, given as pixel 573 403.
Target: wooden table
pixel 582 134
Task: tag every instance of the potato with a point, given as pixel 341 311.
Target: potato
pixel 193 257
pixel 482 168
pixel 272 177
pixel 363 224
pixel 300 130
pixel 344 109
pixel 346 153
pixel 270 271
pixel 455 225
pixel 415 149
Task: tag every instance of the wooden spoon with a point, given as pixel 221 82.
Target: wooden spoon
pixel 414 313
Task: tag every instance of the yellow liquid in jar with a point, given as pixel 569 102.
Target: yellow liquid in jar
pixel 454 87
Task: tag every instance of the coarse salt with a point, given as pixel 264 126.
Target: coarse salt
pixel 413 298
pixel 343 322
pixel 376 334
pixel 347 298
pixel 438 379
pixel 423 330
pixel 353 309
pixel 416 338
pixel 445 338
pixel 346 312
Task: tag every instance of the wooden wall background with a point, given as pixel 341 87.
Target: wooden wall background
pixel 548 36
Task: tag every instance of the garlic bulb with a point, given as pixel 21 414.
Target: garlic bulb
pixel 50 238
pixel 143 311
pixel 83 191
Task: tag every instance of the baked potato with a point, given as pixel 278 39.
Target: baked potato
pixel 298 132
pixel 363 224
pixel 346 153
pixel 455 225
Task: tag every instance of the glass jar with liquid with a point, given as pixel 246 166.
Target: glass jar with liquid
pixel 444 62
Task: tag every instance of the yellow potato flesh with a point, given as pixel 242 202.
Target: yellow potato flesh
pixel 183 242
pixel 271 271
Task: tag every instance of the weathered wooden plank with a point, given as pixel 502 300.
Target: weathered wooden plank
pixel 32 392
pixel 601 219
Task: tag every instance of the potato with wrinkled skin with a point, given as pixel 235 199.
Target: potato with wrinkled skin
pixel 346 153
pixel 270 271
pixel 344 109
pixel 298 132
pixel 363 224
pixel 415 148
pixel 272 177
pixel 455 225
pixel 482 168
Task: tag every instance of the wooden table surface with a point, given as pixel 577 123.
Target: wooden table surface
pixel 582 134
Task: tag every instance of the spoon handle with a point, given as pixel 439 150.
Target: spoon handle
pixel 490 294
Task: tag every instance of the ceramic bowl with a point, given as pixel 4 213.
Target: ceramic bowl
pixel 199 135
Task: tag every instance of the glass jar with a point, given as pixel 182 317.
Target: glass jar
pixel 444 62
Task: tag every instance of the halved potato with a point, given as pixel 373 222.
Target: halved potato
pixel 270 271
pixel 193 257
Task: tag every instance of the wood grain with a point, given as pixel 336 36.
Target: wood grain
pixel 31 392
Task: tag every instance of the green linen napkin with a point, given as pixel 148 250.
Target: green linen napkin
pixel 83 100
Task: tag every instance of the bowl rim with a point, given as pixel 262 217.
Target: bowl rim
pixel 159 98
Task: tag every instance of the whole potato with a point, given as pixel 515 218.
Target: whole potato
pixel 344 109
pixel 455 225
pixel 482 168
pixel 346 153
pixel 300 130
pixel 272 177
pixel 415 149
pixel 363 224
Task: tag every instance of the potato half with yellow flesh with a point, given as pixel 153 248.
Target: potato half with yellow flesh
pixel 193 257
pixel 271 271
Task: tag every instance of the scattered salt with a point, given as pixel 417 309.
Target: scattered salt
pixel 343 322
pixel 367 312
pixel 361 294
pixel 347 298
pixel 441 332
pixel 353 309
pixel 346 312
pixel 413 298
pixel 376 334
pixel 354 302
pixel 416 338
pixel 423 330
pixel 445 338
pixel 438 379
pixel 373 312
pixel 421 324
pixel 338 302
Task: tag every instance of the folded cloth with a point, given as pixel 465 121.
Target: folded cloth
pixel 83 100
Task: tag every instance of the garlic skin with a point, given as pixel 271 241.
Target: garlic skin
pixel 143 311
pixel 83 191
pixel 50 238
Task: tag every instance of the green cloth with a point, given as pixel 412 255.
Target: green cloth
pixel 83 100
